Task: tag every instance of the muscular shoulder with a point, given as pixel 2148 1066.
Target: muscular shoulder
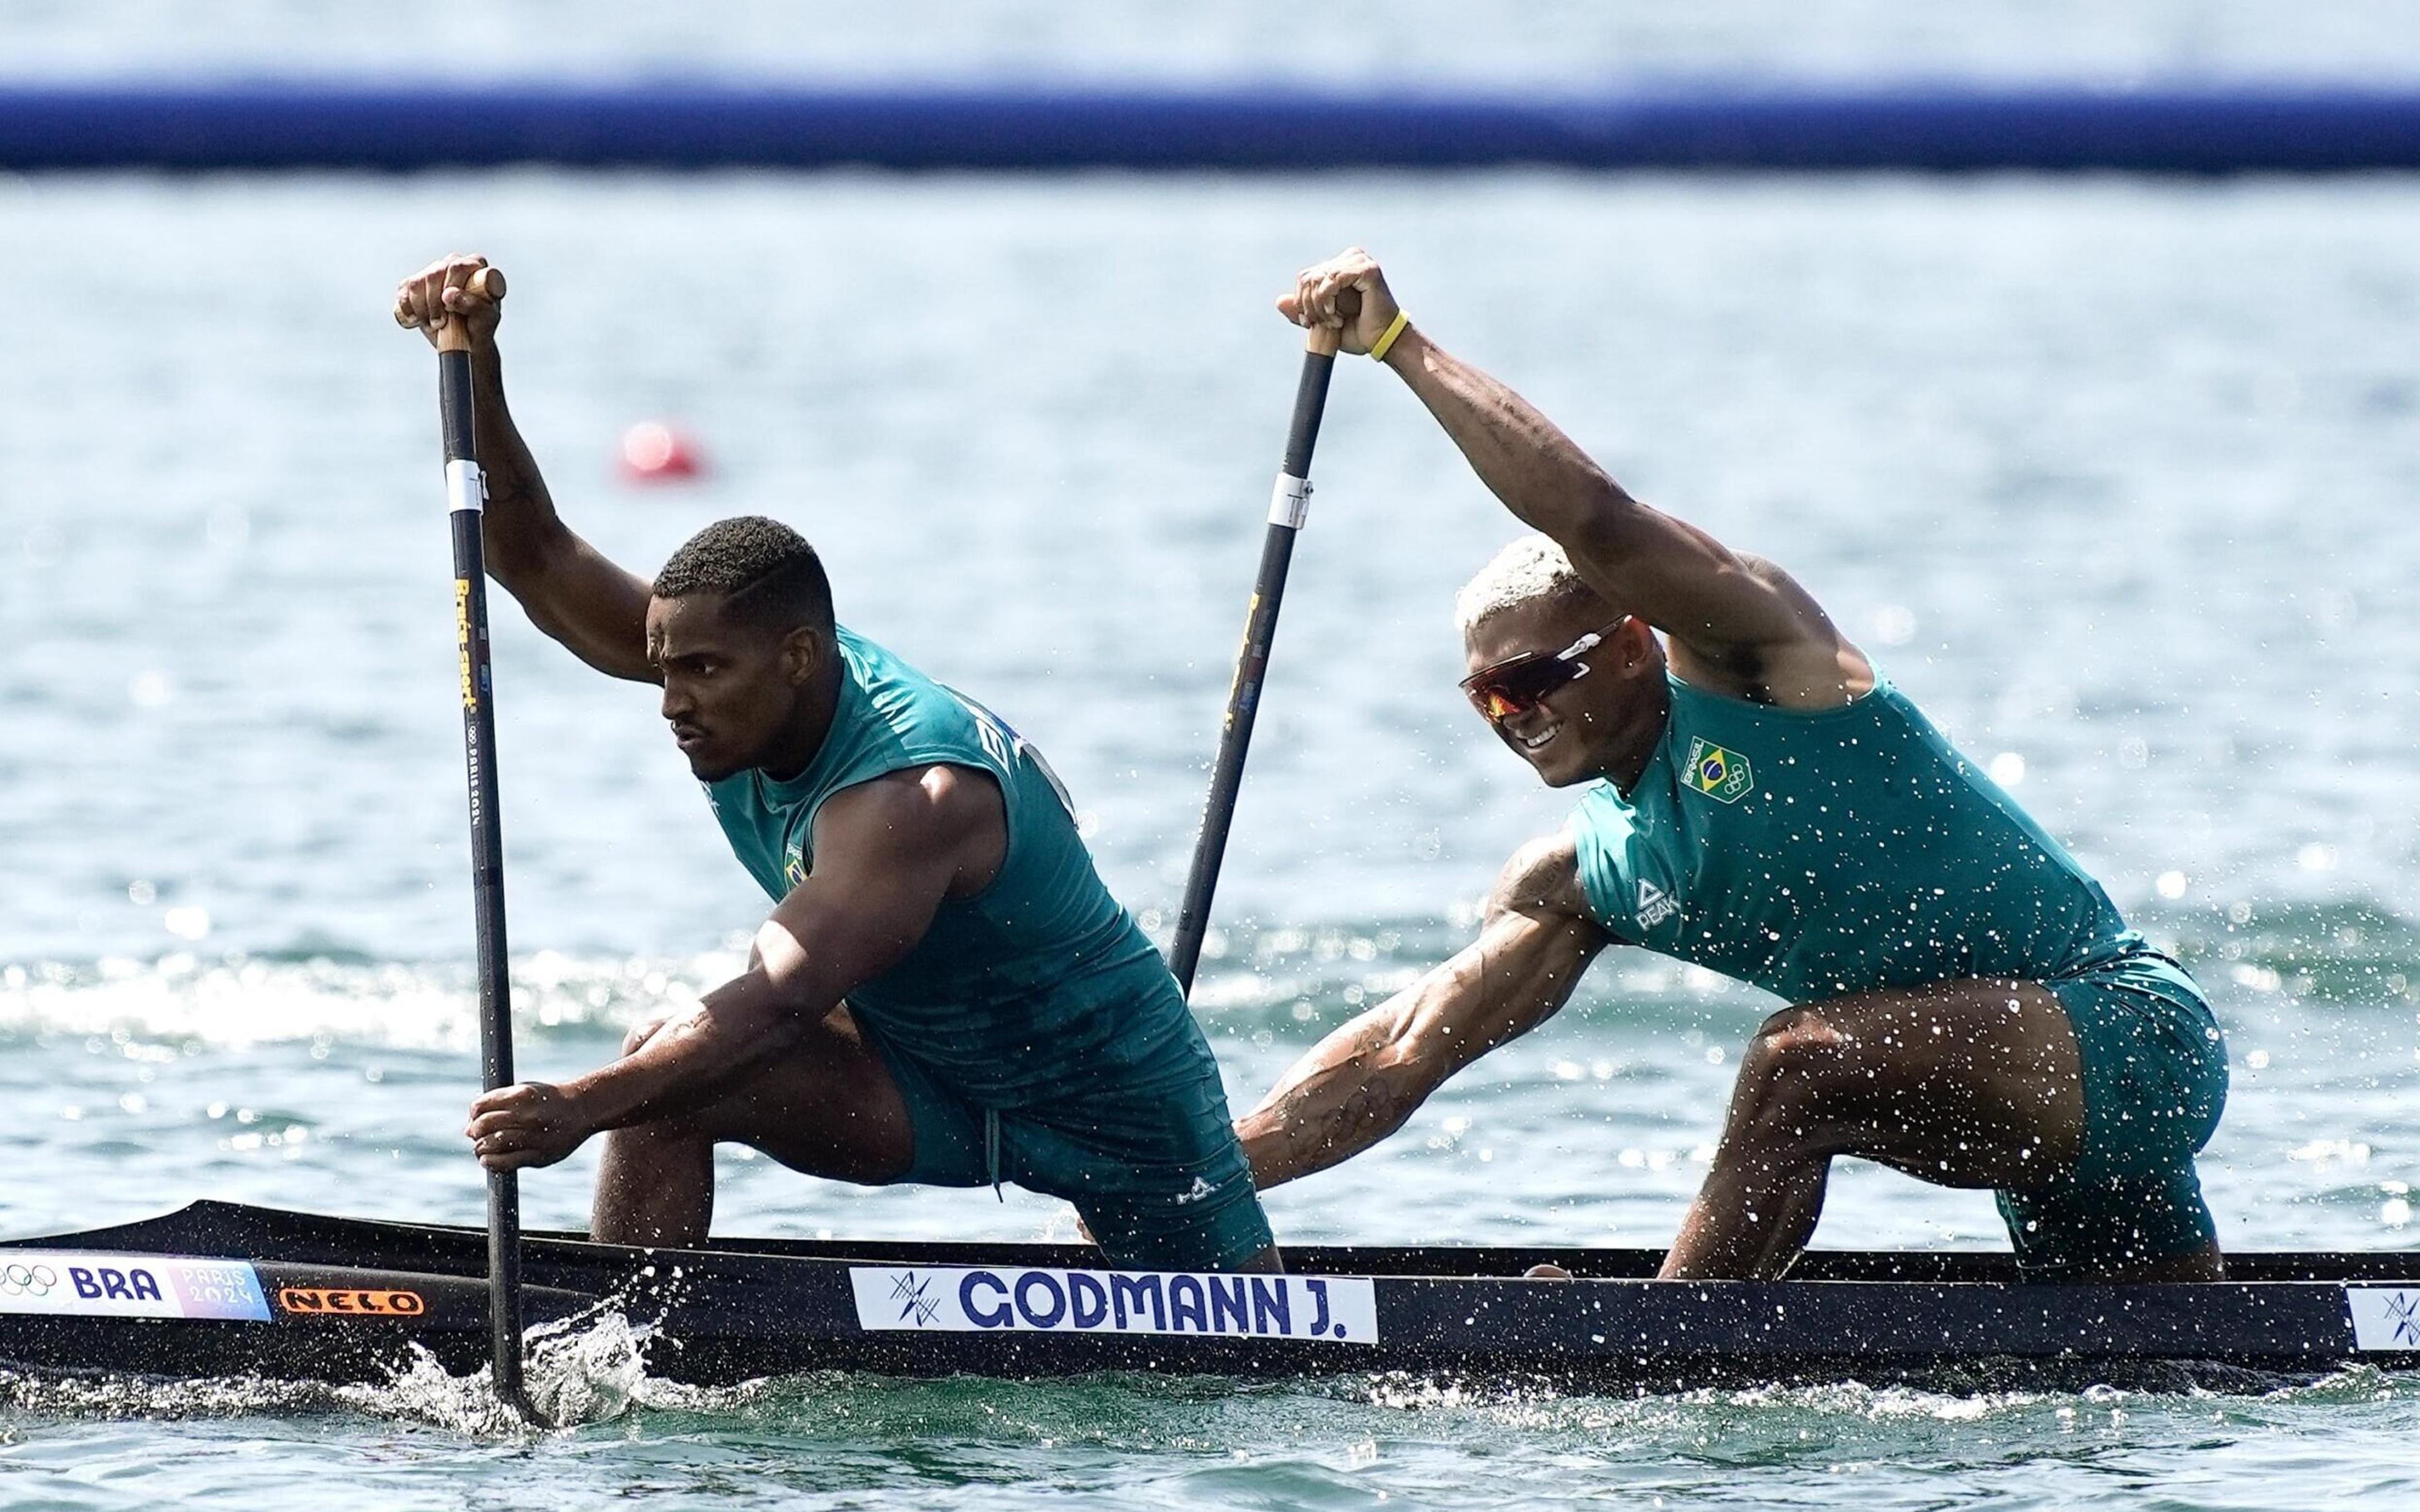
pixel 1814 667
pixel 1541 879
pixel 918 815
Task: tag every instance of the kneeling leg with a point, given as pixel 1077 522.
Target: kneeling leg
pixel 830 1108
pixel 1967 1084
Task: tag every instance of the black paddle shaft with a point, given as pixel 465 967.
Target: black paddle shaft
pixel 1289 505
pixel 466 498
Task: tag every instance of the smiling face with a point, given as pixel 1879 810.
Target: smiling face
pixel 1601 724
pixel 737 695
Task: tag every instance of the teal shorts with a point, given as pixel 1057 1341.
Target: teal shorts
pixel 1154 1170
pixel 2154 1081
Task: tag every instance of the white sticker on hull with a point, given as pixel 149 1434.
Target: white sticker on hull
pixel 963 1299
pixel 2384 1318
pixel 78 1284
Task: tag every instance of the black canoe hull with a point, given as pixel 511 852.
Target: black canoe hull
pixel 349 1300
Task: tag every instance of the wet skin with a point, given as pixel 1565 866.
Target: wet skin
pixel 1603 724
pixel 1968 1083
pixel 738 695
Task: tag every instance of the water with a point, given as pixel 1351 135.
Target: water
pixel 1149 1443
pixel 2115 478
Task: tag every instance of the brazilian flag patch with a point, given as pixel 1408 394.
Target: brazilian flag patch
pixel 1721 774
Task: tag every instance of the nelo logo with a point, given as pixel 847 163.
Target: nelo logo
pixel 351 1301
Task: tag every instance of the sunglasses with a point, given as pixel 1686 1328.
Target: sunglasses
pixel 1516 685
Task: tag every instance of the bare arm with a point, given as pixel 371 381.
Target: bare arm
pixel 1738 624
pixel 1363 1080
pixel 569 588
pixel 886 853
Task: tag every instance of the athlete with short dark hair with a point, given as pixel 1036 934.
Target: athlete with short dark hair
pixel 766 573
pixel 1966 1004
pixel 945 992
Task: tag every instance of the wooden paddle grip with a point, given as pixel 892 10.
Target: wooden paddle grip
pixel 455 335
pixel 1322 341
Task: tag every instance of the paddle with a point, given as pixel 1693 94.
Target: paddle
pixel 466 493
pixel 1289 505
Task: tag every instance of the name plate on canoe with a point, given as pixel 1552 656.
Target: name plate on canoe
pixel 2384 1318
pixel 1011 1298
pixel 76 1284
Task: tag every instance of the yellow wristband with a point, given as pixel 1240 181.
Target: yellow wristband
pixel 1394 327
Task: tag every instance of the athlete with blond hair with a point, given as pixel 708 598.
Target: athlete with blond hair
pixel 1964 1002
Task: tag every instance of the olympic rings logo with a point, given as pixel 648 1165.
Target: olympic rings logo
pixel 27 1281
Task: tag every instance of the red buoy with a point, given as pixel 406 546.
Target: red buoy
pixel 653 452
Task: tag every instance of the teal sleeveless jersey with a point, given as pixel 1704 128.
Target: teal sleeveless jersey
pixel 1041 987
pixel 1838 851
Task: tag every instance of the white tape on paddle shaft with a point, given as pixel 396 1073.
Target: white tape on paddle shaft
pixel 1290 501
pixel 466 487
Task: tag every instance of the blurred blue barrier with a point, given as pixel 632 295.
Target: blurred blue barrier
pixel 1931 128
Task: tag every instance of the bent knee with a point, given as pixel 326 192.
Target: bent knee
pixel 1792 1064
pixel 1792 1046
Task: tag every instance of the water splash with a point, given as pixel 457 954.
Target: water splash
pixel 576 1377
